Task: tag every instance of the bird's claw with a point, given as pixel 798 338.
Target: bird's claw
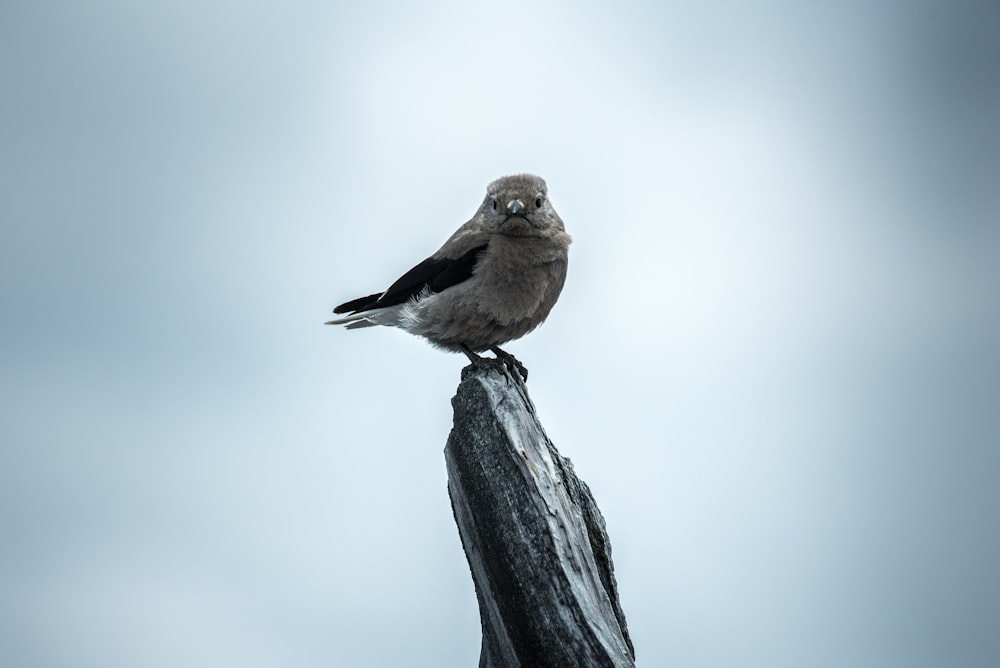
pixel 481 363
pixel 511 362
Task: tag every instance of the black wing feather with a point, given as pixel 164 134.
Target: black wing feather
pixel 359 304
pixel 431 274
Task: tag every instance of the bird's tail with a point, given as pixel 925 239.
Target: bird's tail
pixel 353 321
pixel 379 316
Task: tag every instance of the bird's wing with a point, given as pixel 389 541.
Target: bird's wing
pixel 433 274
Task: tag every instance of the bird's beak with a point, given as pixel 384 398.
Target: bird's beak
pixel 515 207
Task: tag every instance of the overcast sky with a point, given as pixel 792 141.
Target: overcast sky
pixel 775 361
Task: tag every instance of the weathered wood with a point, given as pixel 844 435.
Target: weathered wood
pixel 533 535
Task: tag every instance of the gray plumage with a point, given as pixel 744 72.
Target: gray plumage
pixel 494 280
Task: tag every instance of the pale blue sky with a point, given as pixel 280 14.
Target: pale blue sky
pixel 775 361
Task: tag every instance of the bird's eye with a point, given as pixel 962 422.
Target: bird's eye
pixel 494 203
pixel 538 202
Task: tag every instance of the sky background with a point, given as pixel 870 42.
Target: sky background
pixel 776 360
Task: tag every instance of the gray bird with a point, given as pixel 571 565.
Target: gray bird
pixel 494 280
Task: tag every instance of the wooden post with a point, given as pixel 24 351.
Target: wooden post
pixel 533 535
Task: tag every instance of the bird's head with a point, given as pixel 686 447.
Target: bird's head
pixel 519 205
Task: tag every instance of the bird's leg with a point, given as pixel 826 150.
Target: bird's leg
pixel 483 363
pixel 473 357
pixel 510 361
pixel 477 361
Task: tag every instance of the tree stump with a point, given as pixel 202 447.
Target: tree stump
pixel 532 533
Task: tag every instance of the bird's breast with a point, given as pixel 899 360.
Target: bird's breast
pixel 520 279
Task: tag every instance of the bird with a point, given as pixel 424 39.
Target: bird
pixel 493 281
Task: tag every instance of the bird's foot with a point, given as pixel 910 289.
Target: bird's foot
pixel 478 362
pixel 511 362
pixel 502 359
